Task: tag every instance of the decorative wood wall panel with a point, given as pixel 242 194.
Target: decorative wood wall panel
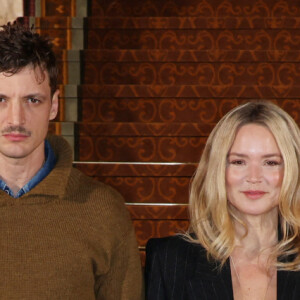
pixel 137 170
pixel 145 183
pixel 195 22
pixel 176 63
pixel 214 55
pixel 204 111
pixel 149 189
pixel 202 74
pixel 53 22
pixel 143 149
pixel 157 212
pixel 58 8
pixel 192 91
pixel 144 129
pixel 60 37
pixel 156 77
pixel 212 8
pixel 194 39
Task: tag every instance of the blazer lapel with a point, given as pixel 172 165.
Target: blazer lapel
pixel 209 283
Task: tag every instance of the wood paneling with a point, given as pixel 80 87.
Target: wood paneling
pixel 192 8
pixel 58 8
pixel 203 111
pixel 136 170
pixel 156 77
pixel 143 149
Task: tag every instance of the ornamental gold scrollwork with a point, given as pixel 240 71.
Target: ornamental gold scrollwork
pixel 288 74
pixel 261 40
pixel 227 9
pixel 173 190
pixel 146 108
pixel 144 73
pixel 292 106
pixel 285 8
pixel 171 40
pixel 145 8
pixel 92 73
pixel 287 40
pixel 228 73
pixel 228 40
pixel 263 73
pixel 207 110
pixel 259 8
pixel 169 109
pixel 86 148
pixel 93 148
pixel 133 73
pixel 106 110
pixel 148 40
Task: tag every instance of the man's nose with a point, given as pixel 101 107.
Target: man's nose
pixel 16 113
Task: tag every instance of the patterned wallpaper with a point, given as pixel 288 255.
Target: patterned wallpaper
pixel 155 77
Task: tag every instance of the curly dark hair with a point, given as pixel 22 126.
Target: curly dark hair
pixel 21 46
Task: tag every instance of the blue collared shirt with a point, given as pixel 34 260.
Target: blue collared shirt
pixel 38 177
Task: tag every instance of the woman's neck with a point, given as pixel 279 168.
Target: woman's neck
pixel 261 233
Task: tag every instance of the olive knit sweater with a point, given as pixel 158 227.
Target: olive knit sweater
pixel 70 237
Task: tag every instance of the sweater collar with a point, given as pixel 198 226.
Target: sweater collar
pixel 56 182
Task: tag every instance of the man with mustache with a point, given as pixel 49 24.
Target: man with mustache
pixel 62 235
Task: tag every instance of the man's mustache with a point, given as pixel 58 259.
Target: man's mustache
pixel 16 129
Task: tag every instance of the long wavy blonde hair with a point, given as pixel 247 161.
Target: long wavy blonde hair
pixel 211 218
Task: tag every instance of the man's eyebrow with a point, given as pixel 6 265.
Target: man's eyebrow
pixel 31 95
pixel 35 95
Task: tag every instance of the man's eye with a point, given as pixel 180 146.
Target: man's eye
pixel 2 99
pixel 33 100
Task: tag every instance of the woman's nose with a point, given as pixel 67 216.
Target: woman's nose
pixel 254 173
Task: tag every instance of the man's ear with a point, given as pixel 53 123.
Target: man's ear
pixel 54 105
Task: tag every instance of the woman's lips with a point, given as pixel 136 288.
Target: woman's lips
pixel 254 194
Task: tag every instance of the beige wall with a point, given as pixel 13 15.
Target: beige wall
pixel 10 9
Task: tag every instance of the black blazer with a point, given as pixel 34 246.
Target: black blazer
pixel 178 270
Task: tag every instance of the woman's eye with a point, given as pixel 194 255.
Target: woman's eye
pixel 272 163
pixel 237 162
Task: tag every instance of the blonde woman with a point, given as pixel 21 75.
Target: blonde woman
pixel 243 242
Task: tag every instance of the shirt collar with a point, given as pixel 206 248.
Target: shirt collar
pixel 38 177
